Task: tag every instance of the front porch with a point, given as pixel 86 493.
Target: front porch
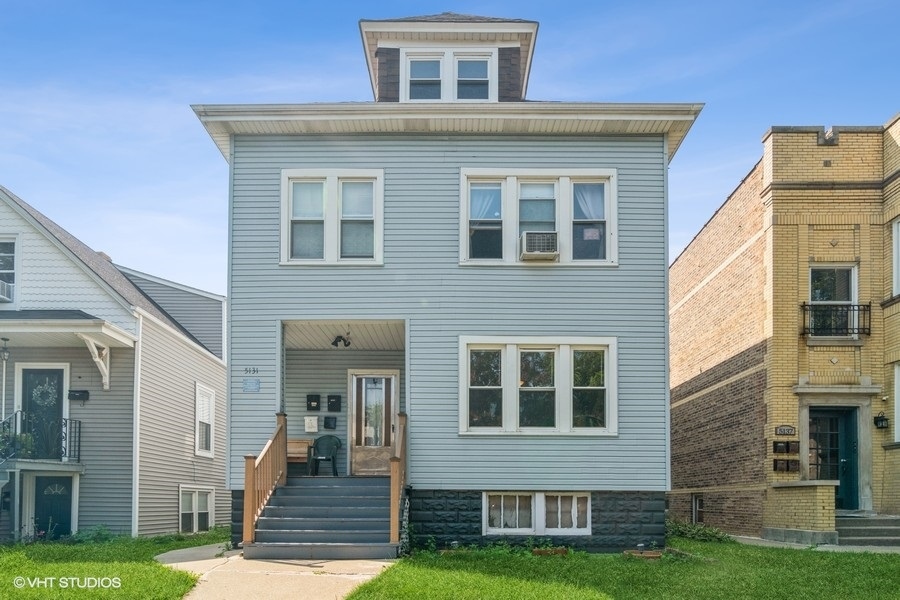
pixel 290 513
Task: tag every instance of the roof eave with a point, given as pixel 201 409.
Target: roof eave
pixel 513 118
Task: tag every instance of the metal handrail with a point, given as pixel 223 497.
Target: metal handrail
pixel 28 436
pixel 836 320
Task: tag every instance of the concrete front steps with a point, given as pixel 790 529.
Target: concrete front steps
pixel 326 518
pixel 867 530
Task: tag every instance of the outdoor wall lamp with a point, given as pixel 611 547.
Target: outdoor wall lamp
pixel 881 421
pixel 341 339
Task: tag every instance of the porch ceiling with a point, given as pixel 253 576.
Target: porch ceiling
pixel 364 335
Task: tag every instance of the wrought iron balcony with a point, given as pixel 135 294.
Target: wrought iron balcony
pixel 28 436
pixel 836 320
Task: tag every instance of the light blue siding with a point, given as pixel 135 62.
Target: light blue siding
pixel 422 282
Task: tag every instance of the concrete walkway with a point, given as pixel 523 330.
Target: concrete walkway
pixel 821 547
pixel 227 575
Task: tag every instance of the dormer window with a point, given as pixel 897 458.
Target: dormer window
pixel 460 75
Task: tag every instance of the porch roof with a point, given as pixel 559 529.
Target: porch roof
pixel 60 328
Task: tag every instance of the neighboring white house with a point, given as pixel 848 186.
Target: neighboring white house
pixel 493 268
pixel 113 411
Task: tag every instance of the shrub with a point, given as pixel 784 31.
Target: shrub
pixel 695 531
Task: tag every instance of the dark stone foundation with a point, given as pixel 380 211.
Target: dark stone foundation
pixel 619 520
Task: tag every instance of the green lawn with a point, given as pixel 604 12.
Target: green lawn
pixel 120 567
pixel 701 570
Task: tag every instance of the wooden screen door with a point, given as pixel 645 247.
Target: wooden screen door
pixel 374 408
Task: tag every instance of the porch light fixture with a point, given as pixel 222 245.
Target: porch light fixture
pixel 4 351
pixel 341 340
pixel 881 421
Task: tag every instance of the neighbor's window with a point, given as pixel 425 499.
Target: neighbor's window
pixel 195 510
pixel 522 385
pixel 7 270
pixel 557 513
pixel 332 216
pixel 831 298
pixel 577 204
pixel 205 399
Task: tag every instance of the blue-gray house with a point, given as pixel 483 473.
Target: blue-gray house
pixel 466 288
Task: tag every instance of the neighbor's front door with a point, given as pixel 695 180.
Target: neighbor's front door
pixel 834 453
pixel 52 507
pixel 373 406
pixel 42 408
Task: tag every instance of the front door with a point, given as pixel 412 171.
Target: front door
pixel 52 507
pixel 373 406
pixel 42 412
pixel 834 453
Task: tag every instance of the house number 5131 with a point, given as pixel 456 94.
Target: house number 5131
pixel 251 370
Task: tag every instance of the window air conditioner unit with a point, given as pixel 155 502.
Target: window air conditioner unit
pixel 539 245
pixel 6 291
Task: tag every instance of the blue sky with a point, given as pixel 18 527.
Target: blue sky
pixel 96 129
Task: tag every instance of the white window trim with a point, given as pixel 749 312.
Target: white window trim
pixel 510 346
pixel 199 390
pixel 212 505
pixel 538 515
pixel 332 178
pixel 564 178
pixel 448 58
pixel 854 291
pixel 17 270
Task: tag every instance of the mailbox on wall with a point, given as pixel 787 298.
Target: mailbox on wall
pixel 334 403
pixel 312 401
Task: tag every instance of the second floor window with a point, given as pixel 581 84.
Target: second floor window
pixel 7 270
pixel 832 296
pixel 331 216
pixel 576 207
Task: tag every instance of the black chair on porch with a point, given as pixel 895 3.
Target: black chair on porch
pixel 322 450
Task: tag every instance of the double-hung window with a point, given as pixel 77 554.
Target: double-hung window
pixel 332 216
pixel 448 75
pixel 204 413
pixel 195 509
pixel 7 270
pixel 500 209
pixel 832 298
pixel 550 386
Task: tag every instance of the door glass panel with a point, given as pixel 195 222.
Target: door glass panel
pixel 373 411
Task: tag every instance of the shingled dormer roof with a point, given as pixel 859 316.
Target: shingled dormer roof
pixel 449 28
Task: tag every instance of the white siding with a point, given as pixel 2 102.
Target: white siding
pixel 422 281
pixel 46 278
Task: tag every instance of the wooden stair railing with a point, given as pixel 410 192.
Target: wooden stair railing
pixel 262 475
pixel 398 476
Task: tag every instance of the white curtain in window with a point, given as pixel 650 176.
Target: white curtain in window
pixel 484 202
pixel 589 202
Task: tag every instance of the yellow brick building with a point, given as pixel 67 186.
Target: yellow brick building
pixel 785 342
